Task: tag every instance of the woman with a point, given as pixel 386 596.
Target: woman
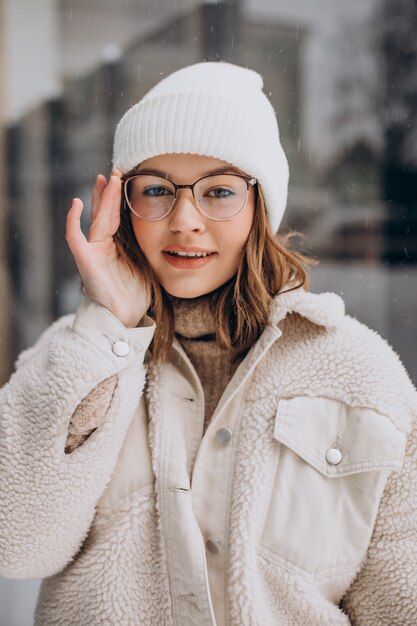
pixel 206 442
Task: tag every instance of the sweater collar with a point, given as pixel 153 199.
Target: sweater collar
pixel 193 317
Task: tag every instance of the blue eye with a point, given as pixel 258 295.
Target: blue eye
pixel 221 189
pixel 152 192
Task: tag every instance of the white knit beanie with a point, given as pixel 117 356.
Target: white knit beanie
pixel 213 109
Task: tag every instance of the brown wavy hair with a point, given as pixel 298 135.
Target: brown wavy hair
pixel 241 306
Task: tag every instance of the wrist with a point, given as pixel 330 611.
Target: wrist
pixel 137 323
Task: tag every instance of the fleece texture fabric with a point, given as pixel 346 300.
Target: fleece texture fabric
pixel 195 329
pixel 147 522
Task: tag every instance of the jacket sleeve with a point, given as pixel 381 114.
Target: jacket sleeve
pixel 384 591
pixel 49 492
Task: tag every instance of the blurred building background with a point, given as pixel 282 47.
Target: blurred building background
pixel 342 78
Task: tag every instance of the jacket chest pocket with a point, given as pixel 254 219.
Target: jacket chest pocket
pixel 333 463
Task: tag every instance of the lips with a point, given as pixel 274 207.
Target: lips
pixel 188 255
pixel 188 262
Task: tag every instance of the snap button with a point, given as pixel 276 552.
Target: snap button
pixel 224 435
pixel 333 456
pixel 214 546
pixel 120 348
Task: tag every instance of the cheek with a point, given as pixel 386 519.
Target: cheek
pixel 234 238
pixel 145 236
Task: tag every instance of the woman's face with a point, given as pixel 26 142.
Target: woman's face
pixel 187 226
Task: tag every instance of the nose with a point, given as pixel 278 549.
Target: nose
pixel 185 215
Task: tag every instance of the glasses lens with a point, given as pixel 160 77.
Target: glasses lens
pixel 149 197
pixel 221 196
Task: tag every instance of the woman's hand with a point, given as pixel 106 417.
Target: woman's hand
pixel 107 279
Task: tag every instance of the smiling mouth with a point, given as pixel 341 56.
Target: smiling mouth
pixel 200 255
pixel 188 262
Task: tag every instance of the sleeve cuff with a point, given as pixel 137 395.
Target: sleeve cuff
pixel 99 327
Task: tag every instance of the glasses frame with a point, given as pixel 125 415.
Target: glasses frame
pixel 249 180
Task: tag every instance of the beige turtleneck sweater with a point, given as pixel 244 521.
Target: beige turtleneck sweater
pixel 195 330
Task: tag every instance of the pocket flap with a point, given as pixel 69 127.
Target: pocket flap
pixel 313 425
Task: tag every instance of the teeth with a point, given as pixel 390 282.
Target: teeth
pixel 191 254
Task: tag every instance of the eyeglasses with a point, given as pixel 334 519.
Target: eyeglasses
pixel 218 196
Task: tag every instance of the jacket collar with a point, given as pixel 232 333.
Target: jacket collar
pixel 324 309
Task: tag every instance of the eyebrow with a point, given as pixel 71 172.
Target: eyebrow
pixel 219 170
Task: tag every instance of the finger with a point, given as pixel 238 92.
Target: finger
pixel 74 235
pixel 116 172
pixel 98 189
pixel 108 213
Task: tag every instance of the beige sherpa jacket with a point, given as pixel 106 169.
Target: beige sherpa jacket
pixel 298 506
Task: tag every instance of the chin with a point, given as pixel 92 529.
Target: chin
pixel 192 289
pixel 187 293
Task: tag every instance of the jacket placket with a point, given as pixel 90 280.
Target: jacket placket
pixel 214 472
pixel 194 477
